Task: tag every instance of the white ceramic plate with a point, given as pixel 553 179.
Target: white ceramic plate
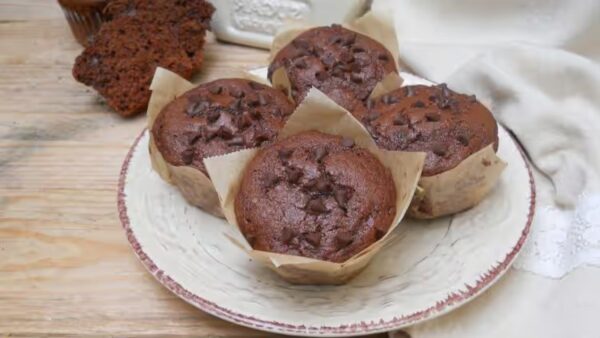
pixel 428 269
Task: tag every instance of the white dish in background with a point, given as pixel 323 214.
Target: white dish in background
pixel 428 268
pixel 255 22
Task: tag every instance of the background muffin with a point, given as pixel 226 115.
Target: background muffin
pixel 334 59
pixel 217 118
pixel 446 125
pixel 315 195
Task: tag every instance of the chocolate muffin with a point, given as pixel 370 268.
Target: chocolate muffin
pixel 121 61
pixel 315 195
pixel 334 58
pixel 141 35
pixel 219 117
pixel 446 125
pixel 188 20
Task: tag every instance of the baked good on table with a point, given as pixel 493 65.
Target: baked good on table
pixel 188 20
pixel 334 59
pixel 448 126
pixel 219 117
pixel 84 17
pixel 120 61
pixel 315 195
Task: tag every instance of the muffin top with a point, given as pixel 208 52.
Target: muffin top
pixel 219 117
pixel 334 58
pixel 315 195
pixel 446 125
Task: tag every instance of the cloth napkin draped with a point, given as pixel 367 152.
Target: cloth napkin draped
pixel 535 63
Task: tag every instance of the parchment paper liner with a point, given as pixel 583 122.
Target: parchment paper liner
pixel 193 184
pixel 317 112
pixel 457 189
pixel 377 26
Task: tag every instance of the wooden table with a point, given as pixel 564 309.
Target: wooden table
pixel 66 268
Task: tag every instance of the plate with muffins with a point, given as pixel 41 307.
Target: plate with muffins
pixel 328 194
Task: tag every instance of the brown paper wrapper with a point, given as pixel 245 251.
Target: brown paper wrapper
pixel 377 27
pixel 193 184
pixel 318 112
pixel 457 189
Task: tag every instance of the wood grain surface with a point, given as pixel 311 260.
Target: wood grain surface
pixel 66 269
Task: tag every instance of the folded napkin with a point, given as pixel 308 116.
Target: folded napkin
pixel 535 64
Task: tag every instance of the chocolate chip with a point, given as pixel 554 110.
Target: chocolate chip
pixel 224 133
pixel 262 100
pixel 400 120
pixel 287 235
pixel 293 174
pixel 321 76
pixel 187 156
pixel 342 196
pixel 408 91
pixel 316 206
pixel 284 154
pixel 336 26
pixel 301 64
pixel 347 142
pixel 444 88
pixel 301 44
pixel 328 60
pixel 463 139
pixel 372 117
pixel 195 109
pixel 216 90
pixel 322 185
pixel 255 85
pixel 252 102
pixel 358 49
pixel 335 39
pixel 432 116
pixel 195 139
pixel 236 92
pixel 356 68
pixel 370 104
pixel 343 239
pixel 213 116
pixel 320 153
pixel 255 114
pixel 432 98
pixel 383 57
pixel 244 122
pixel 418 104
pixel 236 141
pixel 260 139
pixel 350 39
pixel 439 149
pixel 356 78
pixel 314 238
pixel 389 99
pixel 472 98
pixel 338 72
pixel 271 180
pixel 236 104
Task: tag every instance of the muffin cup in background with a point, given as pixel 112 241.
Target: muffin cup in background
pixel 377 27
pixel 317 112
pixel 84 17
pixel 457 189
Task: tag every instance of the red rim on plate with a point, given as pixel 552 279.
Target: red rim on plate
pixel 357 328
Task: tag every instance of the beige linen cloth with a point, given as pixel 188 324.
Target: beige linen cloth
pixel 535 63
